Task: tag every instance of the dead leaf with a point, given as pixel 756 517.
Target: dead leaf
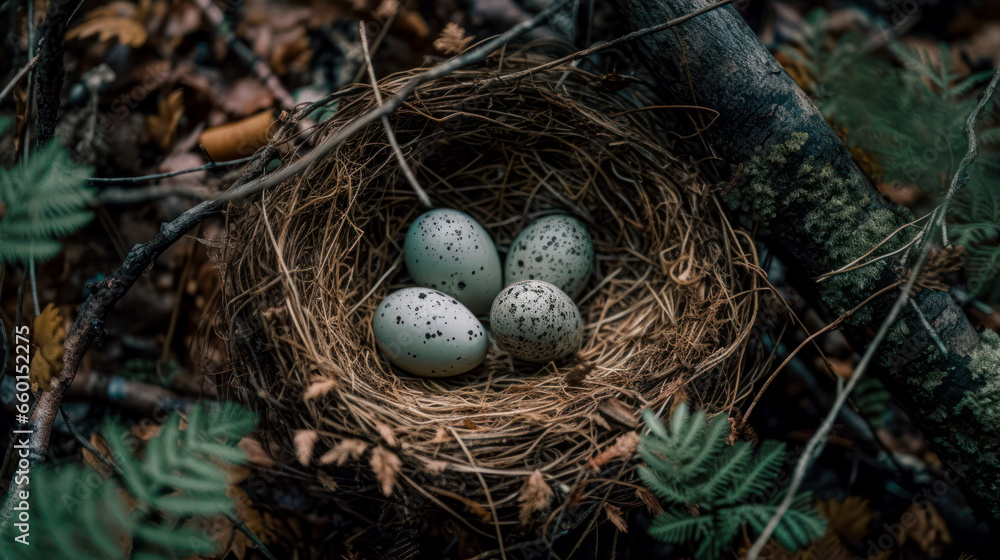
pixel 434 466
pixel 250 516
pixel 327 481
pixel 49 335
pixel 441 435
pixel 623 448
pixel 305 440
pixel 535 496
pixel 102 446
pixel 345 450
pixel 453 40
pixel 319 388
pixel 616 411
pixel 385 432
pixel 163 126
pixel 237 139
pixel 246 97
pixel 849 519
pixel 649 500
pixel 116 20
pixel 925 527
pixel 255 453
pixel 386 466
pixel 614 514
pixel 579 372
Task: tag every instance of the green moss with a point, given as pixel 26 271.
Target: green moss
pixel 940 414
pixel 984 365
pixel 835 218
pixel 929 381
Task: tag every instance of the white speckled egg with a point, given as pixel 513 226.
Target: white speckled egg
pixel 429 333
pixel 556 249
pixel 449 251
pixel 536 321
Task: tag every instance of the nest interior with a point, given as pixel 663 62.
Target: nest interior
pixel 668 310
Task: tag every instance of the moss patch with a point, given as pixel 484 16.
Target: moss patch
pixel 984 401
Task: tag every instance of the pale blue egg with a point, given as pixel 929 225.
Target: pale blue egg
pixel 555 249
pixel 450 251
pixel 429 333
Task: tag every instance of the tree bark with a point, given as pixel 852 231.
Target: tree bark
pixel 818 210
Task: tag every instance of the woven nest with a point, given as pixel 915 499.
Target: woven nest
pixel 668 310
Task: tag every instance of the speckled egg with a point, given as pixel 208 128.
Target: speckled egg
pixel 556 249
pixel 449 251
pixel 429 333
pixel 536 321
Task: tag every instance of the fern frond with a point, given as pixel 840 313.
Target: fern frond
pixel 761 473
pixel 43 198
pixel 679 526
pixel 691 464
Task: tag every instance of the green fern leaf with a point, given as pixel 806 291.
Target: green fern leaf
pixel 43 198
pixel 691 464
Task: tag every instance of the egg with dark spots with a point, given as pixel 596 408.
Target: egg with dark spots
pixel 536 321
pixel 449 251
pixel 555 249
pixel 429 333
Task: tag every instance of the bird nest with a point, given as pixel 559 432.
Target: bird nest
pixel 668 310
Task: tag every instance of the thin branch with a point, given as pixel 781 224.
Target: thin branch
pixel 17 77
pixel 389 134
pixel 960 179
pixel 144 178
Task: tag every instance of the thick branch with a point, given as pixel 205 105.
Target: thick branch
pixel 818 210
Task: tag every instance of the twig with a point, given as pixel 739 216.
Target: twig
pixel 237 522
pixel 134 195
pixel 88 325
pixel 380 37
pixel 810 338
pixel 389 134
pixel 959 180
pixel 638 34
pixel 259 67
pixel 17 77
pixel 144 178
pixel 929 328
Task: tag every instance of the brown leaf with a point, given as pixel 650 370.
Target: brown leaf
pixel 614 514
pixel 98 465
pixel 849 519
pixel 434 466
pixel 255 452
pixel 250 516
pixel 163 126
pixel 305 440
pixel 237 139
pixel 616 411
pixel 116 20
pixel 579 372
pixel 319 388
pixel 453 40
pixel 345 450
pixel 49 335
pixel 386 466
pixel 925 527
pixel 409 22
pixel 385 432
pixel 649 500
pixel 535 496
pixel 623 448
pixel 441 435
